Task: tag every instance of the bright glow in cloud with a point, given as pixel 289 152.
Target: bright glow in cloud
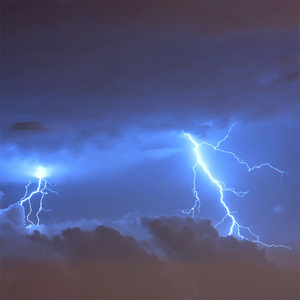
pixel 41 172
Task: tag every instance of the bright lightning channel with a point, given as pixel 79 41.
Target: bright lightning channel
pixel 235 228
pixel 42 190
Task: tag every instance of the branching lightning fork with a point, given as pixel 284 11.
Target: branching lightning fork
pixel 42 190
pixel 235 228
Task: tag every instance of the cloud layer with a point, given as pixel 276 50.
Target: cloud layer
pixel 165 238
pixel 99 93
pixel 97 75
pixel 176 258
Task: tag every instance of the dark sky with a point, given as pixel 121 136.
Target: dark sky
pixel 99 92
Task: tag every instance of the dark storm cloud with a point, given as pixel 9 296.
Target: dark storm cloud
pixel 188 239
pixel 170 238
pixel 184 242
pixel 38 126
pixel 115 83
pixel 114 59
pixel 93 70
pixel 100 244
pixel 102 263
pixel 14 243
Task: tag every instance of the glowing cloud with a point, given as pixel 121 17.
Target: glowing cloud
pixel 41 172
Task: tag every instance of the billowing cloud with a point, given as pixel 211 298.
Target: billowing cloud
pixel 197 240
pixel 182 258
pixel 167 238
pixel 101 244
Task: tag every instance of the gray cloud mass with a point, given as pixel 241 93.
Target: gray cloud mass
pixel 182 258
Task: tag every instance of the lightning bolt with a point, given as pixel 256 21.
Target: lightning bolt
pixel 235 228
pixel 42 190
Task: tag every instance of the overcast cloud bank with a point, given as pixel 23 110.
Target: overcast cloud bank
pixel 165 257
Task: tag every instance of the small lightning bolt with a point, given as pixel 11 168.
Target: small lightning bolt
pixel 42 190
pixel 235 227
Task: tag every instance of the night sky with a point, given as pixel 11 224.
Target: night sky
pixel 99 94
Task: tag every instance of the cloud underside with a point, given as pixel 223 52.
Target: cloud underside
pixel 101 70
pixel 30 126
pixel 165 257
pixel 149 239
pixel 104 80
